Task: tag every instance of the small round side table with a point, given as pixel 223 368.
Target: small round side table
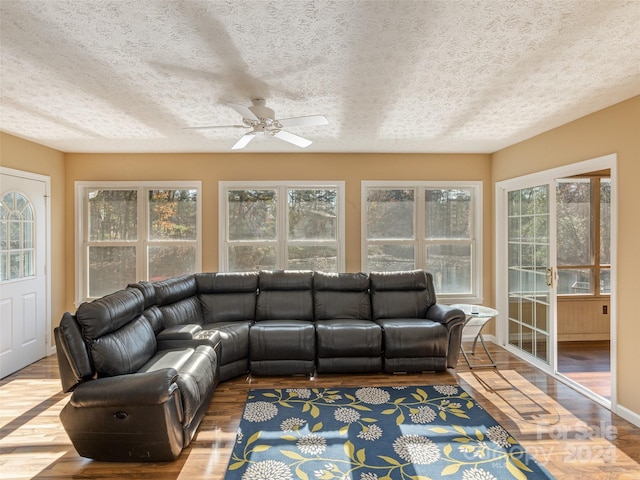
pixel 477 318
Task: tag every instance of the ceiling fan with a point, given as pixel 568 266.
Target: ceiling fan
pixel 261 120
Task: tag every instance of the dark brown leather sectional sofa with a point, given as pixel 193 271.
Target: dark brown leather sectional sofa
pixel 143 362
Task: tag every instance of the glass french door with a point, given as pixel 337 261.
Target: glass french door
pixel 530 276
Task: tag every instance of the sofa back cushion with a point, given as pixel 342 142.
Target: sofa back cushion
pixel 227 297
pixel 124 350
pixel 109 313
pixel 285 295
pixel 178 301
pixel 174 289
pixel 148 291
pixel 341 296
pixel 401 294
pixel 182 312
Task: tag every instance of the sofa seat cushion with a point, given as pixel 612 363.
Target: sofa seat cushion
pixel 196 378
pixel 407 338
pixel 282 340
pixel 234 339
pixel 348 338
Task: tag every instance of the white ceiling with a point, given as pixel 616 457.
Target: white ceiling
pixel 390 76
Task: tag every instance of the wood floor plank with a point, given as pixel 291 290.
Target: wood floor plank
pixel 571 435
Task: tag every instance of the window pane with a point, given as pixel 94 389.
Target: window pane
pixel 252 214
pixel 450 266
pixel 390 258
pixel 390 214
pixel 14 265
pixel 171 261
pixel 312 214
pixel 319 258
pixel 605 221
pixel 250 258
pixel 113 215
pixel 448 214
pixel 605 281
pixel 4 274
pixel 574 222
pixel 110 269
pixel 172 214
pixel 575 281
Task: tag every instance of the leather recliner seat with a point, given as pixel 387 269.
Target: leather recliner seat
pixel 347 340
pixel 131 401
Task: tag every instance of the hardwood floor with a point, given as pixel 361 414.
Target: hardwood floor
pixel 571 435
pixel 587 363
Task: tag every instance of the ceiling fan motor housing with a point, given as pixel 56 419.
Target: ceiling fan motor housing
pixel 260 110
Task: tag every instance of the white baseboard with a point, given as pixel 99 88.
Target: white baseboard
pixel 487 338
pixel 628 415
pixel 583 337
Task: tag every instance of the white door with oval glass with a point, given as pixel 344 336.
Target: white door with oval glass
pixel 23 292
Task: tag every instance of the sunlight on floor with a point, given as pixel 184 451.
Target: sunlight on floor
pixel 538 422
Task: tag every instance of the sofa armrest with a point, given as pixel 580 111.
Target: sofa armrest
pixel 191 336
pixel 150 388
pixel 446 315
pixel 179 332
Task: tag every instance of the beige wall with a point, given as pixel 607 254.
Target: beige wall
pixel 613 130
pixel 31 157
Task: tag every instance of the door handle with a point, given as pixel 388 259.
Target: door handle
pixel 549 277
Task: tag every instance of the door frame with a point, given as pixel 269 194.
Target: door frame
pixel 49 348
pixel 549 176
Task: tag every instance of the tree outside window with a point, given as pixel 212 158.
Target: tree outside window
pixel 583 233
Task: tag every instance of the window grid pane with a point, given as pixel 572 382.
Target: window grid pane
pixel 252 214
pixel 172 214
pixel 110 269
pixel 448 213
pixel 390 214
pixel 113 215
pixel 312 214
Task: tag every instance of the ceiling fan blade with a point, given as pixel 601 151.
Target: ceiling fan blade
pixel 244 111
pixel 307 121
pixel 243 141
pixel 216 126
pixel 291 138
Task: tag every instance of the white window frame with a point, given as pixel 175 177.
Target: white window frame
pixel 81 226
pixel 419 242
pixel 282 218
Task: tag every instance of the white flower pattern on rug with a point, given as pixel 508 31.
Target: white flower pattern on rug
pixel 416 449
pixel 372 395
pixel 260 411
pixel 374 433
pixel 268 470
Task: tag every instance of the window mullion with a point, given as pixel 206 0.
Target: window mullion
pixel 142 267
pixel 282 228
pixel 419 234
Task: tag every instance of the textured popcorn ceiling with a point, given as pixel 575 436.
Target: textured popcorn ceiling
pixel 390 76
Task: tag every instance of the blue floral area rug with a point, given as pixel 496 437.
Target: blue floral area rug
pixel 374 433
